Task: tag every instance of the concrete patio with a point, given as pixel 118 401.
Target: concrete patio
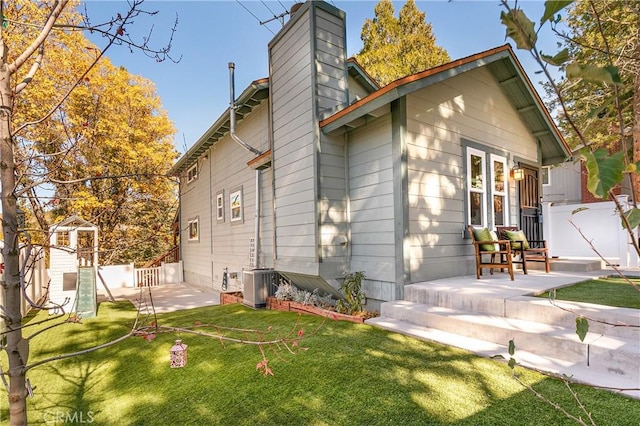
pixel 167 297
pixel 482 315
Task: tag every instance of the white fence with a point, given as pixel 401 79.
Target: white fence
pixel 148 277
pixel 36 279
pixel 118 276
pixel 602 229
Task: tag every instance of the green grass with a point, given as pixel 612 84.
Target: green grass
pixel 609 291
pixel 351 374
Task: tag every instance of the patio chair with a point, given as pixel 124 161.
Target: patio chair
pixel 528 250
pixel 491 253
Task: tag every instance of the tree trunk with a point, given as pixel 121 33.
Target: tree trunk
pixel 636 109
pixel 17 347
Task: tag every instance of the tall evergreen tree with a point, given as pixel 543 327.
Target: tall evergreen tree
pixel 396 47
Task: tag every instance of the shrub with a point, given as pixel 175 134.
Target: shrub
pixel 354 297
pixel 288 291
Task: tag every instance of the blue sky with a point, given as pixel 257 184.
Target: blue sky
pixel 212 33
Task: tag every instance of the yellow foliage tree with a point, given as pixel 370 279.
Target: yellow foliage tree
pixel 43 58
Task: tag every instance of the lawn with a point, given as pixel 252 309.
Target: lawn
pixel 609 291
pixel 351 374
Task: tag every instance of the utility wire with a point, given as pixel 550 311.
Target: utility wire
pixel 283 6
pixel 253 14
pixel 269 9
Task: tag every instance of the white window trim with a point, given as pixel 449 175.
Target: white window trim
pixel 192 173
pixel 220 206
pixel 493 158
pixel 191 223
pixel 470 189
pixel 548 168
pixel 235 196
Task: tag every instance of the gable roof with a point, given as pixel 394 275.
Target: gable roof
pixel 505 67
pixel 359 74
pixel 73 222
pixel 251 97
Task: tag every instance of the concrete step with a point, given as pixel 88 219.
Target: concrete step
pixel 604 353
pixel 603 320
pixel 568 265
pixel 588 373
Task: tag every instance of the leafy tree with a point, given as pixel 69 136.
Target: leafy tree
pixel 38 36
pixel 396 47
pixel 115 117
pixel 599 103
pixel 110 115
pixel 599 33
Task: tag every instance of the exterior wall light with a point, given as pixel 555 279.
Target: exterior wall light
pixel 517 172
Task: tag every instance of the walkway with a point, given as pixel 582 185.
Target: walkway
pixel 168 297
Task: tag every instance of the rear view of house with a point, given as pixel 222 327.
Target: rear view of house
pixel 322 172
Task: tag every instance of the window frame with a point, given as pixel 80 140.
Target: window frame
pixel 547 174
pixel 68 238
pixel 470 187
pixel 219 206
pixel 192 173
pixel 488 157
pixel 494 158
pixel 193 229
pixel 236 206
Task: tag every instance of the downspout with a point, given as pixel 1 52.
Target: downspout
pixel 232 113
pixel 232 132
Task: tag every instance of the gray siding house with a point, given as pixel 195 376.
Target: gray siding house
pixel 345 176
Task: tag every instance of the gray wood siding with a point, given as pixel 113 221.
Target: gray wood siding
pixel 294 147
pixel 231 240
pixel 564 184
pixel 226 244
pixel 469 106
pixel 308 77
pixel 334 229
pixel 356 90
pixel 371 191
pixel 331 68
pixel 195 203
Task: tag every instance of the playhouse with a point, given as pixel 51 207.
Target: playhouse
pixel 73 266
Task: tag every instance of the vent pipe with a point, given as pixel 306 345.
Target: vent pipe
pixel 232 113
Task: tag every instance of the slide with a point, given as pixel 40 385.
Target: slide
pixel 86 302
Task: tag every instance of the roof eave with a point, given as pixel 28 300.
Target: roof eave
pixel 220 126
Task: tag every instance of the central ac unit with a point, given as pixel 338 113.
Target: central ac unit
pixel 256 284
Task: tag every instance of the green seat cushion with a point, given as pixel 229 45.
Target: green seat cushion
pixel 517 238
pixel 484 234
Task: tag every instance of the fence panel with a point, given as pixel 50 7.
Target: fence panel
pixel 147 277
pixel 600 225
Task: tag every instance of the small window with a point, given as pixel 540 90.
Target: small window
pixel 194 230
pixel 192 173
pixel 220 206
pixel 546 175
pixel 235 206
pixel 476 184
pixel 62 238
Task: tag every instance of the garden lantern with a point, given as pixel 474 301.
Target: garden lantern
pixel 178 354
